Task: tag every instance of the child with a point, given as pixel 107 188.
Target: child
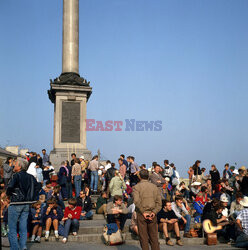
pixel 47 190
pixel 36 221
pixel 51 215
pixel 58 197
pixel 71 218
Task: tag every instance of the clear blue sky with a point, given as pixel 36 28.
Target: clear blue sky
pixel 182 62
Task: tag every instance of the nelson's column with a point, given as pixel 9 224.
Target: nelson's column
pixel 69 93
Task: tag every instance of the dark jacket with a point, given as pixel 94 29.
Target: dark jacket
pixel 72 162
pixel 63 174
pixel 39 161
pixel 110 174
pixel 244 185
pixel 125 163
pixel 215 177
pixel 51 214
pixel 33 215
pixel 46 174
pixel 100 201
pixel 23 189
pixel 86 204
pixel 32 159
pixel 197 170
pixel 212 216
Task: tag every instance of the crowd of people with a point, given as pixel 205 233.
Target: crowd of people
pixel 35 199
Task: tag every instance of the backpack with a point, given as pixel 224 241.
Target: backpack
pixel 115 238
pixel 198 206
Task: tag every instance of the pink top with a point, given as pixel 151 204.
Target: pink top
pixel 123 170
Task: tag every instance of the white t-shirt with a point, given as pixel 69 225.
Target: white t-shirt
pixel 108 166
pixel 32 170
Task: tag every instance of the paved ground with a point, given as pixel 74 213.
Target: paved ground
pixel 75 246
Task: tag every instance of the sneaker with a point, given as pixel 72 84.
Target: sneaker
pixel 4 231
pixel 56 235
pixel 179 243
pixel 64 240
pixel 38 239
pixel 231 241
pixel 74 233
pixel 187 235
pixel 46 237
pixel 32 238
pixel 169 243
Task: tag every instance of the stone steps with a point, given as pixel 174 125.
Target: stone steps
pixel 97 216
pixel 90 231
pixel 96 230
pixel 129 239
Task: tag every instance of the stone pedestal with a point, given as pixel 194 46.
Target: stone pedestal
pixel 69 93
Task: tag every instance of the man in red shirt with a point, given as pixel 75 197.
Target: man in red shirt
pixel 71 218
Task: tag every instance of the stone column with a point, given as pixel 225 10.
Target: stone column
pixel 70 36
pixel 69 92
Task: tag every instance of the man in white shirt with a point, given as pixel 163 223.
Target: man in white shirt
pixel 108 165
pixel 179 208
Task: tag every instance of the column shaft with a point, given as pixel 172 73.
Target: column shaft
pixel 70 36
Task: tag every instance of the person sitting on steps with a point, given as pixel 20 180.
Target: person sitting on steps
pixel 117 212
pixel 84 201
pixel 101 204
pixel 51 215
pixel 71 218
pixel 168 221
pixel 180 210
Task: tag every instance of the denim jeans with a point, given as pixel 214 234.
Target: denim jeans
pixel 94 180
pixel 187 226
pixel 69 189
pixel 73 224
pixel 87 216
pixel 18 213
pixel 242 241
pixel 77 184
pixel 111 218
pixel 44 183
pixel 61 204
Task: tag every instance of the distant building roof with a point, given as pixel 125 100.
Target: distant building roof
pixel 5 153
